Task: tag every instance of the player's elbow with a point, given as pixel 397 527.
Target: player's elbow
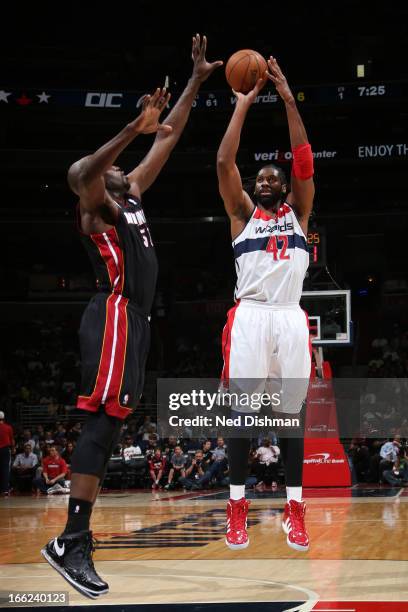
pixel 222 162
pixel 224 168
pixel 77 174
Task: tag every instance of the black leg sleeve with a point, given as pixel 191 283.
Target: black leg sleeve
pixel 95 444
pixel 292 451
pixel 238 453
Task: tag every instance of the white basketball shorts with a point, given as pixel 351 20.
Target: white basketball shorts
pixel 266 347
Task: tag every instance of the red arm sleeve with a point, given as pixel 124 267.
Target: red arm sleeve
pixel 302 167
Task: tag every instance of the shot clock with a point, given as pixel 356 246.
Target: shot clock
pixel 316 245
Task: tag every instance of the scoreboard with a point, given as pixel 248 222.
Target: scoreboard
pixel 209 100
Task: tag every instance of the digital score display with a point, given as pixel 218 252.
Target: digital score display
pixel 316 245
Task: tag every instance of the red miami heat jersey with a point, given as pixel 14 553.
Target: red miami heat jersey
pixel 114 334
pixel 123 258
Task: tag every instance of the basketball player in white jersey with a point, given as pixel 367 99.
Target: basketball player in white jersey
pixel 266 334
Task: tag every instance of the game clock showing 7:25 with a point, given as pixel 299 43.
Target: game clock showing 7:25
pixel 316 245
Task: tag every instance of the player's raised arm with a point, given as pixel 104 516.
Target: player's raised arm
pixel 237 202
pixel 146 172
pixel 86 177
pixel 302 184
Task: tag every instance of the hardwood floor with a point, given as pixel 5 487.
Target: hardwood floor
pixel 164 548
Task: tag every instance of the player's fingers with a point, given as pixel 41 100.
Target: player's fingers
pixel 272 67
pixel 272 62
pixel 276 66
pixel 198 43
pixel 164 101
pixel 260 82
pixel 145 101
pixel 273 75
pixel 204 46
pixel 273 78
pixel 217 64
pixel 155 97
pixel 161 100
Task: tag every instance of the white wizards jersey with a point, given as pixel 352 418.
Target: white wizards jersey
pixel 271 258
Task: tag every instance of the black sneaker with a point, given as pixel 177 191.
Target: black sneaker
pixel 71 556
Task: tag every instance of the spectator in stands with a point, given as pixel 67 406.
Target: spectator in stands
pixel 271 435
pixel 195 472
pixel 151 430
pixel 216 466
pixel 147 427
pixel 132 429
pixel 157 468
pixel 66 455
pixel 52 479
pixel 151 445
pixel 360 458
pixel 177 470
pixel 27 437
pixel 219 456
pixel 49 437
pixel 43 450
pixel 61 444
pixel 169 446
pixel 220 450
pixel 207 451
pixel 60 433
pixel 389 454
pixel 398 475
pixel 24 467
pixel 266 465
pixel 38 434
pixel 130 451
pixel 6 448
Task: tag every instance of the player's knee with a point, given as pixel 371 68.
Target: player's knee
pixel 95 445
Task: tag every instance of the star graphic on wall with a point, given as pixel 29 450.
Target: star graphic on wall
pixel 4 95
pixel 43 97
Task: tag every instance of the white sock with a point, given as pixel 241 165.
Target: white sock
pixel 294 493
pixel 237 492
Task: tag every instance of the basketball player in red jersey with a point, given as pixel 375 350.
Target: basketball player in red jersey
pixel 114 332
pixel 266 335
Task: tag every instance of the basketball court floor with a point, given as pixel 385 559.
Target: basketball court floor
pixel 168 549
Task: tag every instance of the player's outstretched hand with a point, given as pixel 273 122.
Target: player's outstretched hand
pixel 250 97
pixel 202 69
pixel 277 77
pixel 152 107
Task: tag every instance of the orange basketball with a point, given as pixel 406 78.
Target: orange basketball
pixel 244 68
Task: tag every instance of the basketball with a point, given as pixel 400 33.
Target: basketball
pixel 243 69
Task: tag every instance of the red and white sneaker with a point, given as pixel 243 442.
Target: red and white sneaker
pixel 237 512
pixel 293 524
